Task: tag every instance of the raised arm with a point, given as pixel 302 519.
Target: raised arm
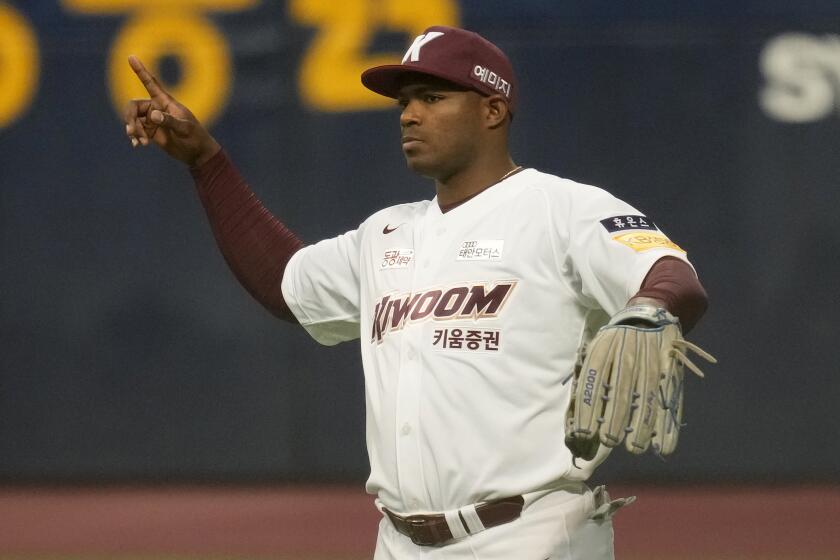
pixel 255 244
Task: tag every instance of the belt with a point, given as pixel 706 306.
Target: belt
pixel 434 529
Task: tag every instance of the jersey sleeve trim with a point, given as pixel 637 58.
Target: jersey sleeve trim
pixel 289 292
pixel 287 285
pixel 635 279
pixel 343 328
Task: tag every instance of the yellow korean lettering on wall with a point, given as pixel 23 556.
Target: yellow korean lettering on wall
pixel 19 64
pixel 195 42
pixel 328 79
pixel 179 29
pixel 99 7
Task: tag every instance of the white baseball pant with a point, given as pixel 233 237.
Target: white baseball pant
pixel 553 526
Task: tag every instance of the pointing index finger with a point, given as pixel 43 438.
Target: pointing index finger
pixel 149 82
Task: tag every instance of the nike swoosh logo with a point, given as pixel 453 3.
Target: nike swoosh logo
pixel 386 230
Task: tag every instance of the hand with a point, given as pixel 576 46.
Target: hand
pixel 167 123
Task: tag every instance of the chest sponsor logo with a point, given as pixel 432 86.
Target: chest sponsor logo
pixel 466 339
pixel 640 242
pixel 481 250
pixel 463 301
pixel 623 223
pixel 396 258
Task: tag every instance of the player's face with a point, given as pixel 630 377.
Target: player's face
pixel 441 126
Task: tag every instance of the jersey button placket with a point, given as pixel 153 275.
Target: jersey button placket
pixel 408 451
pixel 410 387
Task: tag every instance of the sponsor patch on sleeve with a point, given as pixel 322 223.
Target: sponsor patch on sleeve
pixel 641 241
pixel 624 223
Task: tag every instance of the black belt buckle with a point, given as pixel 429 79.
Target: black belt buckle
pixel 419 531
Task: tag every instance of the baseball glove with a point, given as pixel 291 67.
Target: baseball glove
pixel 629 384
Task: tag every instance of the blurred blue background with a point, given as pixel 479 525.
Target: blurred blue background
pixel 129 352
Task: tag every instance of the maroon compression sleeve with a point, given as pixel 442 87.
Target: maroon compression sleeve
pixel 673 281
pixel 255 244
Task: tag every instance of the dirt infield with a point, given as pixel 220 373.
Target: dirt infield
pixel 339 523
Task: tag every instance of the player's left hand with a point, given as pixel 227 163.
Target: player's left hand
pixel 630 386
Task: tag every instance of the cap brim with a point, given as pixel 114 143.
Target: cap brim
pixel 386 80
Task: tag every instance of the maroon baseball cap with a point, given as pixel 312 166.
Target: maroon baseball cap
pixel 456 55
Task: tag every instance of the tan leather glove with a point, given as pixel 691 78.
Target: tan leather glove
pixel 629 386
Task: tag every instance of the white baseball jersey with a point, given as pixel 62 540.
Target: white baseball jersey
pixel 469 323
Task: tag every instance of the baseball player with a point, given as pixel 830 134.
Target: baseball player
pixel 513 329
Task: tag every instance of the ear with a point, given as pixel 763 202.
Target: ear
pixel 497 111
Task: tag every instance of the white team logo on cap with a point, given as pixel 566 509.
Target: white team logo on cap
pixel 413 51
